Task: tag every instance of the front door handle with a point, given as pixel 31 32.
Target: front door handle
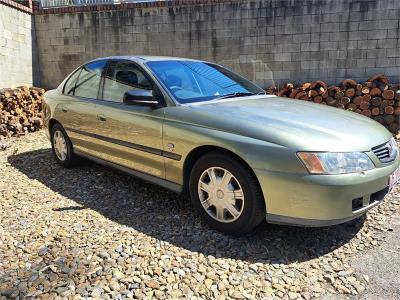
pixel 64 110
pixel 101 118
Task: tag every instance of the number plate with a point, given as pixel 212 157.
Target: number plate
pixel 394 178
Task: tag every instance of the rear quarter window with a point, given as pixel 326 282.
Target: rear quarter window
pixel 69 86
pixel 88 83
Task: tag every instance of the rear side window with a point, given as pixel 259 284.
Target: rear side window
pixel 69 87
pixel 89 79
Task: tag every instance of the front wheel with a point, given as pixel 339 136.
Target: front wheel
pixel 226 194
pixel 62 146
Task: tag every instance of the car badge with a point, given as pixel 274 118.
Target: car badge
pixel 170 147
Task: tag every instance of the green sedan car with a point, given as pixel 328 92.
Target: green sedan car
pixel 242 156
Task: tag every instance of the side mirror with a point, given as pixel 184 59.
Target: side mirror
pixel 140 97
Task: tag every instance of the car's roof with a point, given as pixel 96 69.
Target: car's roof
pixel 153 58
pixel 145 58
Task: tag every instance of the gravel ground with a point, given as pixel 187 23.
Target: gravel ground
pixel 383 266
pixel 92 232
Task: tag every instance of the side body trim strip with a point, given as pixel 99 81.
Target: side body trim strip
pixel 151 150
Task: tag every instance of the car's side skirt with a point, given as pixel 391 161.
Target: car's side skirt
pixel 177 188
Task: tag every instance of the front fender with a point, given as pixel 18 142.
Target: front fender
pixel 256 153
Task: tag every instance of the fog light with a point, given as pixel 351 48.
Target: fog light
pixel 357 204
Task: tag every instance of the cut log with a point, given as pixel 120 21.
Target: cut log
pixel 388 94
pixel 366 112
pixel 312 93
pixel 339 95
pixel 375 92
pixel 283 92
pixel 365 90
pixel 305 86
pixel 367 98
pixel 364 105
pixel 318 99
pixel 357 100
pixel 376 98
pixel 376 101
pixel 6 93
pixel 345 100
pixel 385 103
pixel 347 83
pixel 350 92
pixel 332 90
pixel 294 93
pixel 359 111
pixel 352 107
pixel 340 105
pixel 331 101
pixel 319 86
pixel 20 111
pixel 301 96
pixel 389 110
pixel 375 111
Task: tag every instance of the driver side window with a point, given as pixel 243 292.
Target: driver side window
pixel 123 76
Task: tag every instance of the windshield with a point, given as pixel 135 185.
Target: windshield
pixel 195 81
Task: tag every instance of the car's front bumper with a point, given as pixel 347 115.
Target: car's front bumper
pixel 322 200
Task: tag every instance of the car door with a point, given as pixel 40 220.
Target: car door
pixel 78 114
pixel 129 135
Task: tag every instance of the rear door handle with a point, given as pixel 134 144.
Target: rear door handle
pixel 64 110
pixel 101 118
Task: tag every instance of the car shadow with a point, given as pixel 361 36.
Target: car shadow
pixel 169 217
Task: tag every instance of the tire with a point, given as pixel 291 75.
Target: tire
pixel 67 159
pixel 249 209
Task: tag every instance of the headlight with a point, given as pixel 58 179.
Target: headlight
pixel 336 162
pixel 393 149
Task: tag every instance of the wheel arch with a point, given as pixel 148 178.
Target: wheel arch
pixel 51 123
pixel 200 151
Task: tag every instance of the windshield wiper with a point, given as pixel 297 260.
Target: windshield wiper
pixel 233 95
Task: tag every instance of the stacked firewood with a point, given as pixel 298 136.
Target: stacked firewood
pixel 375 98
pixel 20 110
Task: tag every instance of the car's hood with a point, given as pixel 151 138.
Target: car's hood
pixel 292 123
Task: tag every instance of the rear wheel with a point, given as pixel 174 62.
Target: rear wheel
pixel 62 146
pixel 226 194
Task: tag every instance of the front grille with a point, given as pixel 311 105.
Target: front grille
pixel 384 152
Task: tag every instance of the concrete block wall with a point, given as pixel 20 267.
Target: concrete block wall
pixel 269 41
pixel 16 51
